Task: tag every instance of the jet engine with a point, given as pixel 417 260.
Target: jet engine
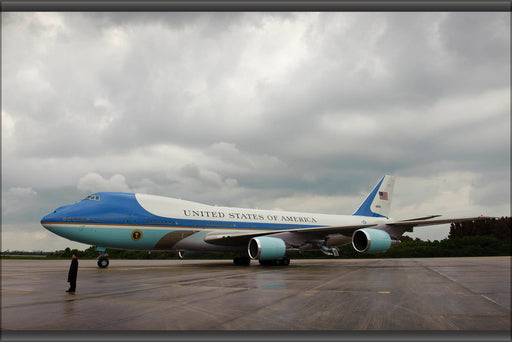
pixel 370 240
pixel 266 248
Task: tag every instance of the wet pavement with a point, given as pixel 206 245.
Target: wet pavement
pixel 469 294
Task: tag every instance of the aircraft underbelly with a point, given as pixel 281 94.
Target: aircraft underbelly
pixel 195 242
pixel 169 240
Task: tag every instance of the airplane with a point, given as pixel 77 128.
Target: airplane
pixel 155 223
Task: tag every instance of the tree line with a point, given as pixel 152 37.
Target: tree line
pixel 488 237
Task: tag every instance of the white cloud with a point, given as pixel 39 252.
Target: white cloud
pixel 95 183
pixel 193 173
pixel 336 205
pixel 7 126
pixel 15 200
pixel 21 193
pixel 271 60
pixel 31 236
pixel 229 153
pixel 447 193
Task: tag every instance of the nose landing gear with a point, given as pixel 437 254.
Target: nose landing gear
pixel 102 260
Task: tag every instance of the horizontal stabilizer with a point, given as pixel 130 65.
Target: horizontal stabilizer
pixel 420 218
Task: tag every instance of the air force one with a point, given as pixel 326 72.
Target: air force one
pixel 154 223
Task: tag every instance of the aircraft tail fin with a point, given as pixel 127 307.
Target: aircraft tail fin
pixel 378 202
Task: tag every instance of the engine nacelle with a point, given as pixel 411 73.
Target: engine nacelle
pixel 266 248
pixel 370 240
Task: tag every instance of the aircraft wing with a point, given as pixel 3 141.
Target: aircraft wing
pixel 228 238
pixel 323 231
pixel 235 239
pixel 426 221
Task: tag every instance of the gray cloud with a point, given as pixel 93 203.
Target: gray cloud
pixel 256 109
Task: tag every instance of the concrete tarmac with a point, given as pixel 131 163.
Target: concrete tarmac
pixel 426 294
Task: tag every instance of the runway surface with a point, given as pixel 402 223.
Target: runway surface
pixel 471 294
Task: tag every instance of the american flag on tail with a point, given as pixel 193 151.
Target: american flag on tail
pixel 383 195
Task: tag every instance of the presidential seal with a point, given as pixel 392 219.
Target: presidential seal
pixel 136 235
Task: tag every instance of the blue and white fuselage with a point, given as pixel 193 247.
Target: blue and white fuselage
pixel 109 218
pixel 148 222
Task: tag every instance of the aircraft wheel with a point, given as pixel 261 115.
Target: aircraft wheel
pixel 285 261
pixel 242 261
pixel 269 262
pixel 102 262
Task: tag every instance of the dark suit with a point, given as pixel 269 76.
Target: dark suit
pixel 73 270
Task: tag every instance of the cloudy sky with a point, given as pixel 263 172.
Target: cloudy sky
pixel 291 111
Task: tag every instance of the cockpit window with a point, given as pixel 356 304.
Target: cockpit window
pixel 92 198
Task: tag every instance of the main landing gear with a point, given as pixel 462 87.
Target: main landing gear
pixel 102 259
pixel 246 261
pixel 242 261
pixel 284 261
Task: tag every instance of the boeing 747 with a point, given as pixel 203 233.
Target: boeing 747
pixel 155 223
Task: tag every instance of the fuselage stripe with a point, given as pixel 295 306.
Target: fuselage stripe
pixel 124 225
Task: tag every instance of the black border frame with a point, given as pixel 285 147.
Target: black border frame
pixel 255 5
pixel 246 6
pixel 256 335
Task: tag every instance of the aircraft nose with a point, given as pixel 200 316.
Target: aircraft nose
pixel 55 215
pixel 48 218
pixel 48 222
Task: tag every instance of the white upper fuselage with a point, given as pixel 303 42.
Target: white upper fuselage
pixel 211 216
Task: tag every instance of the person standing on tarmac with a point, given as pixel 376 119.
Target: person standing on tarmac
pixel 73 270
